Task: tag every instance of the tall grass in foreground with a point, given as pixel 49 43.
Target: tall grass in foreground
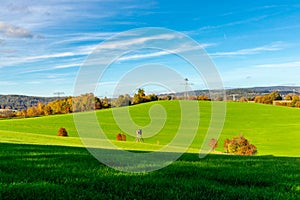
pixel 57 172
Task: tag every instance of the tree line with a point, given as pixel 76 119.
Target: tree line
pixel 84 102
pixel 290 100
pixel 88 102
pixel 20 102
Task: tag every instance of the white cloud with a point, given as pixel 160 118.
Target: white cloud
pixel 141 56
pixel 9 30
pixel 46 56
pixel 71 65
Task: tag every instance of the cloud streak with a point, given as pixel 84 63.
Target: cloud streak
pixel 279 65
pixel 163 53
pixel 250 51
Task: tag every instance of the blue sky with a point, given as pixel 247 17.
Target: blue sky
pixel 43 44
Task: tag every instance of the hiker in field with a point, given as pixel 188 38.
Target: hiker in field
pixel 139 136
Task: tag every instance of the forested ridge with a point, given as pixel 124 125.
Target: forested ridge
pixel 21 102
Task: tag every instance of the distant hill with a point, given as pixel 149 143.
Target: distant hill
pixel 256 91
pixel 20 102
pixel 236 93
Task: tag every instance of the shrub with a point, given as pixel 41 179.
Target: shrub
pixel 121 137
pixel 213 143
pixel 62 132
pixel 239 145
pixel 226 143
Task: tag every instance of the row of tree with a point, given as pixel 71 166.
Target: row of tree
pixel 290 100
pixel 237 145
pixel 85 102
pixel 268 98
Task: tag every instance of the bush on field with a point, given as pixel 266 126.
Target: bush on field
pixel 239 145
pixel 121 137
pixel 62 132
pixel 213 143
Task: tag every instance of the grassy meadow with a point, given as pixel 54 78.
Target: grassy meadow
pixel 37 164
pixel 273 129
pixel 59 172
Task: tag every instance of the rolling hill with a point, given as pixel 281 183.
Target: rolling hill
pixel 274 130
pixel 37 164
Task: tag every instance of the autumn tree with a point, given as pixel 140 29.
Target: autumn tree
pixel 40 108
pixel 213 143
pixel 151 97
pixel 203 98
pixel 268 98
pixel 97 103
pixel 243 99
pixel 226 143
pixel 258 99
pixel 240 145
pixel 275 96
pixel 62 132
pixel 122 100
pixel 295 100
pixel 105 103
pixel 288 97
pixel 47 110
pixel 32 112
pixel 139 96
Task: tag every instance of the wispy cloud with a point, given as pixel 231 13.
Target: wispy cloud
pixel 9 30
pixel 79 51
pixel 271 47
pixel 280 65
pixel 254 19
pixel 83 37
pixel 163 53
pixel 119 43
pixel 142 56
pixel 7 83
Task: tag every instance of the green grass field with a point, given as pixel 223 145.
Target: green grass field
pixel 37 164
pixel 274 130
pixel 57 172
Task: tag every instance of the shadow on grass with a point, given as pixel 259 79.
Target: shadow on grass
pixel 56 172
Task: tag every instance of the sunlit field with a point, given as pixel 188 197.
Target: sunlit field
pixel 37 164
pixel 272 129
pixel 55 172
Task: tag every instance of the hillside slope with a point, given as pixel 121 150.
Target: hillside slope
pixel 274 130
